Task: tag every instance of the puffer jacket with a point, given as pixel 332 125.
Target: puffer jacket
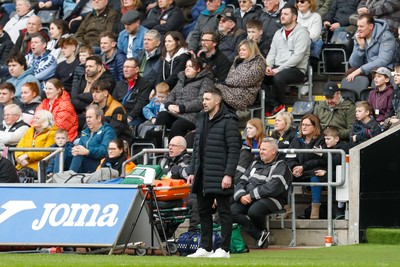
pixel 172 18
pixel 243 82
pixel 389 10
pixel 64 114
pixel 341 116
pixel 381 52
pixel 265 180
pixel 188 94
pixel 115 64
pixel 176 167
pixel 363 131
pixel 216 152
pixel 43 139
pixel 253 13
pixel 271 23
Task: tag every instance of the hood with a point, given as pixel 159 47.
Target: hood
pixel 277 12
pixel 26 73
pixel 181 51
pixel 379 28
pixel 207 13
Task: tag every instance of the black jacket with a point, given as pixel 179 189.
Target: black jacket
pixel 229 43
pixel 8 172
pixel 309 161
pixel 216 151
pixel 219 65
pixel 272 180
pixel 254 13
pixel 134 100
pixel 5 47
pixel 173 18
pixel 176 167
pixel 152 66
pixel 284 140
pixel 168 71
pixel 81 100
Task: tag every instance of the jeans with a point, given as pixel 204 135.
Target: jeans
pixel 315 190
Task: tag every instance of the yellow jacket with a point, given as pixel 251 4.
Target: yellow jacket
pixel 43 139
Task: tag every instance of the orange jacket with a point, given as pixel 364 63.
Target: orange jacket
pixel 64 114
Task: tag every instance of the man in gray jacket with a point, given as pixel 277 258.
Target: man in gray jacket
pixel 288 57
pixel 374 47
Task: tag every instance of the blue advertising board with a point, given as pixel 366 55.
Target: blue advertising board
pixel 66 215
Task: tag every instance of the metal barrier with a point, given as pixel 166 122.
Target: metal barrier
pixel 54 150
pixel 330 184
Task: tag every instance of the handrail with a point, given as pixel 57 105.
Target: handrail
pixel 330 184
pixel 54 150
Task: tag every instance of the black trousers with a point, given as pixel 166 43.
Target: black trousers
pixel 251 218
pixel 280 81
pixel 178 126
pixel 205 203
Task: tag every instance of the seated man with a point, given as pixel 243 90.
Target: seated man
pixel 7 96
pixel 93 144
pixel 177 159
pixel 40 60
pixel 13 127
pixel 230 35
pixel 24 41
pixel 101 19
pixel 111 56
pixel 287 59
pixel 262 189
pixel 336 111
pixel 19 20
pixel 20 74
pixel 164 17
pixel 374 47
pixel 114 112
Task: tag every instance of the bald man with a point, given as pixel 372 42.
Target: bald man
pixel 175 162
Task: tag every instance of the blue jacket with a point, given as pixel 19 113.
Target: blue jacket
pixel 26 76
pixel 381 52
pixel 115 64
pixel 123 41
pixel 151 109
pixel 56 4
pixel 54 163
pixel 97 144
pixel 44 66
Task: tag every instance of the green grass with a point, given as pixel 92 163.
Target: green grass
pixel 383 236
pixel 355 255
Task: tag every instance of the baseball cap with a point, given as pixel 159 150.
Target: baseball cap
pixel 330 89
pixel 383 71
pixel 227 14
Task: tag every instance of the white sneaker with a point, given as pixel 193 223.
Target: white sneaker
pixel 200 253
pixel 220 253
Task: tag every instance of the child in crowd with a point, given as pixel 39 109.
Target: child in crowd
pixel 255 33
pixel 85 51
pixel 381 97
pixel 255 132
pixel 332 141
pixel 61 139
pixel 364 127
pixel 157 103
pixel 394 120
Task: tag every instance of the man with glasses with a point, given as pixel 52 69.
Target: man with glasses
pixel 133 92
pixel 336 111
pixel 207 21
pixel 218 63
pixel 248 10
pixel 177 159
pixel 262 190
pixel 12 127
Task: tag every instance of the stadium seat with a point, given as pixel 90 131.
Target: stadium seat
pixel 259 104
pixel 358 84
pixel 308 82
pixel 349 94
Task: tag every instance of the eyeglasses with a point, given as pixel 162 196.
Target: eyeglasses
pixel 242 2
pixel 174 145
pixel 301 1
pixel 206 40
pixel 211 1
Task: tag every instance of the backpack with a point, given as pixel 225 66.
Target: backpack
pixel 237 243
pixel 189 242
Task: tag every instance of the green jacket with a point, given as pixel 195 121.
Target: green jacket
pixel 341 116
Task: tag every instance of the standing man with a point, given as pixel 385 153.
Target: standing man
pixel 288 57
pixel 130 40
pixel 212 168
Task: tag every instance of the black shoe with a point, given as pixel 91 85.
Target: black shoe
pixel 263 241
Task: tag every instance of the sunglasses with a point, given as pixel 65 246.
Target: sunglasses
pixel 301 1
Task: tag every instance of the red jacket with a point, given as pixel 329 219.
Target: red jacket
pixel 64 114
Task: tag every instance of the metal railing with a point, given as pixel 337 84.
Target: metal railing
pixel 330 183
pixel 54 150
